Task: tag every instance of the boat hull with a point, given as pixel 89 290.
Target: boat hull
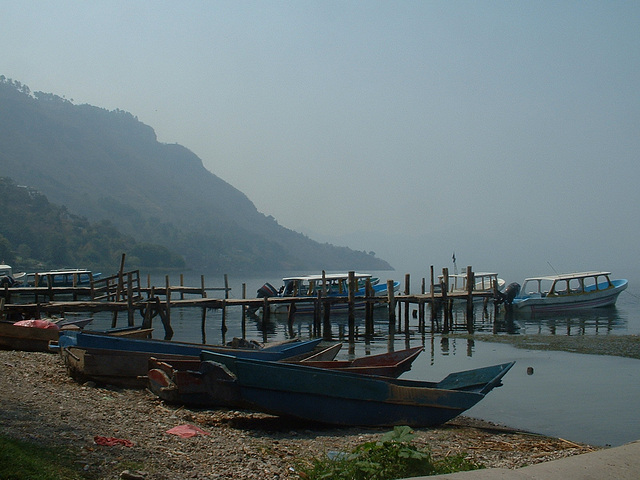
pixel 562 303
pixel 181 381
pixel 342 398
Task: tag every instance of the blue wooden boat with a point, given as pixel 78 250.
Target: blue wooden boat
pixel 181 381
pixel 342 398
pixel 276 351
pixel 124 361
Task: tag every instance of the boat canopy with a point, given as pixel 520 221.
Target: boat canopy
pixel 567 283
pixel 310 284
pixel 328 277
pixel 5 270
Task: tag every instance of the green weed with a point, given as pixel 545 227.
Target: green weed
pixel 392 457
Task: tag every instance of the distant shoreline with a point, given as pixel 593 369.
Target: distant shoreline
pixel 627 346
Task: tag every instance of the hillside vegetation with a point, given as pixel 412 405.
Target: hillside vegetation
pixel 105 165
pixel 37 235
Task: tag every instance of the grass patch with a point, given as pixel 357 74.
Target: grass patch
pixel 393 456
pixel 21 460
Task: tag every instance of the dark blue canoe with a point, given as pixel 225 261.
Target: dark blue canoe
pixel 124 361
pixel 277 351
pixel 343 398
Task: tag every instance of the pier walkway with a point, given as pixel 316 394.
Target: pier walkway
pixel 123 293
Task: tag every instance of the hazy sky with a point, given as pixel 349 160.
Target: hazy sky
pixel 507 131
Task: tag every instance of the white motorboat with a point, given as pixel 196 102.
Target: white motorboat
pixel 571 291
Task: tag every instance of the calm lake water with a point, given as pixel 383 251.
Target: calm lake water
pixel 582 398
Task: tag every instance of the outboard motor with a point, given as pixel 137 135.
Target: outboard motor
pixel 267 290
pixel 511 292
pixel 6 281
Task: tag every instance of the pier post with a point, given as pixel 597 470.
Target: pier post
pixel 291 314
pixel 265 313
pixel 203 324
pixel 317 308
pixel 368 309
pixel 392 306
pixel 224 304
pixel 167 311
pixel 445 299
pixel 470 284
pixel 326 334
pixel 407 290
pixel 224 318
pixel 130 311
pixel 244 312
pixel 433 291
pixel 352 296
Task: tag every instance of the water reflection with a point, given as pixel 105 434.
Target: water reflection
pixel 483 319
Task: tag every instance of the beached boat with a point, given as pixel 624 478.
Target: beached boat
pixel 124 361
pixel 571 291
pixel 327 285
pixel 180 381
pixel 343 398
pixel 35 335
pixel 391 364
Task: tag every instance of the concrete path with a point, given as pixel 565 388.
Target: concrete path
pixel 619 463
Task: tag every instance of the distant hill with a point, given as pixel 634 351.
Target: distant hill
pixel 37 235
pixel 106 165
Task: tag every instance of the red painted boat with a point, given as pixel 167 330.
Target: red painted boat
pixel 391 364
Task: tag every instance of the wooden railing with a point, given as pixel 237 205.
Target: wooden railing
pixel 122 287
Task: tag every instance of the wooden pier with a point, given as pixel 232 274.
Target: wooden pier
pixel 123 293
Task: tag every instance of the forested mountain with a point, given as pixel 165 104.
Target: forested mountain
pixel 106 165
pixel 37 235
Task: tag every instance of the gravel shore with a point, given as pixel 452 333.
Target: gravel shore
pixel 617 345
pixel 41 403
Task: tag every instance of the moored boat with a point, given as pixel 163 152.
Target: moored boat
pixel 8 278
pixel 483 282
pixel 66 277
pixel 570 291
pixel 343 398
pixel 325 285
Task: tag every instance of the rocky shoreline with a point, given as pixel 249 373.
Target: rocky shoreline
pixel 41 403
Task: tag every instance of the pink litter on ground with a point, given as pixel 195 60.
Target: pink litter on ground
pixel 187 431
pixel 37 324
